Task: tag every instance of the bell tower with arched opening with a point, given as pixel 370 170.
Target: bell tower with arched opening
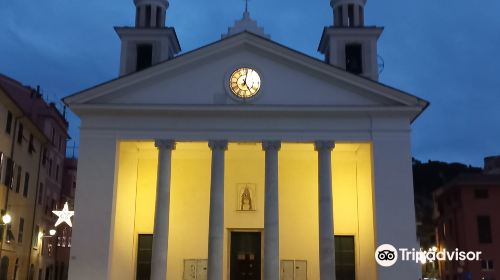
pixel 350 44
pixel 150 41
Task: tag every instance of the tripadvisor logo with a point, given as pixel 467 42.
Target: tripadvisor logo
pixel 387 255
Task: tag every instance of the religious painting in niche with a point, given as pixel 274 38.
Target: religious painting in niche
pixel 246 197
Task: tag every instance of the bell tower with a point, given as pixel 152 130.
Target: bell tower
pixel 349 44
pixel 150 41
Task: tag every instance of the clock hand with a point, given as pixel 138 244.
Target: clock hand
pixel 244 80
pixel 247 80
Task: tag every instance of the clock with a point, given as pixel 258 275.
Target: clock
pixel 245 83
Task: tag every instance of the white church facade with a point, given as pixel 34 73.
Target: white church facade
pixel 244 159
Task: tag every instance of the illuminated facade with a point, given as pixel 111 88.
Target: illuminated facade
pixel 292 168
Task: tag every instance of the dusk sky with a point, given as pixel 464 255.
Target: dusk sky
pixel 446 52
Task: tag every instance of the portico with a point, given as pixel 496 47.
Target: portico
pixel 291 182
pixel 271 210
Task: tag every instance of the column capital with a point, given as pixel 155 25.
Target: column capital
pixel 218 144
pixel 324 145
pixel 165 144
pixel 271 145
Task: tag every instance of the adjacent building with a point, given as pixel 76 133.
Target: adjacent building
pixel 244 159
pixel 468 218
pixel 33 140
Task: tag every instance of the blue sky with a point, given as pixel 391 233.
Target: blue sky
pixel 443 51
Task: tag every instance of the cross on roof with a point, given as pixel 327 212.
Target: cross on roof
pixel 246 6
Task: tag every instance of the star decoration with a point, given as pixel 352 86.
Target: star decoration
pixel 64 216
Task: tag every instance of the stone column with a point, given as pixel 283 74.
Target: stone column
pixel 216 220
pixel 345 15
pixel 142 16
pixel 152 20
pixel 357 20
pixel 162 210
pixel 326 237
pixel 271 212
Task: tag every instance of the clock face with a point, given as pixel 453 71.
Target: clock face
pixel 245 83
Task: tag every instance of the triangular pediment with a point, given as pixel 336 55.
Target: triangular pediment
pixel 201 77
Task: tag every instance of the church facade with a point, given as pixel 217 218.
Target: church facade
pixel 244 159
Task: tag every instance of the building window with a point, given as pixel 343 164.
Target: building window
pixel 50 248
pixel 354 58
pixel 16 267
pixel 21 231
pixel 20 134
pixel 145 248
pixel 35 237
pixel 18 180
pixel 47 205
pixel 148 15
pixel 9 173
pixel 60 143
pixel 40 194
pixel 31 147
pixel 144 56
pixel 10 236
pixel 8 126
pixel 57 171
pixel 4 267
pixel 481 194
pixel 484 229
pixel 487 265
pixel 31 275
pixel 53 136
pixel 50 167
pixel 26 184
pixel 1 165
pixel 345 258
pixel 44 245
pixel 44 157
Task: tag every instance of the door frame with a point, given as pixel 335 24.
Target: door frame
pixel 229 243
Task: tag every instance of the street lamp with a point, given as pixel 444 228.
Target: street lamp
pixel 6 219
pixel 52 232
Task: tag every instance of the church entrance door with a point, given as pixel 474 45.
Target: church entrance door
pixel 245 256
